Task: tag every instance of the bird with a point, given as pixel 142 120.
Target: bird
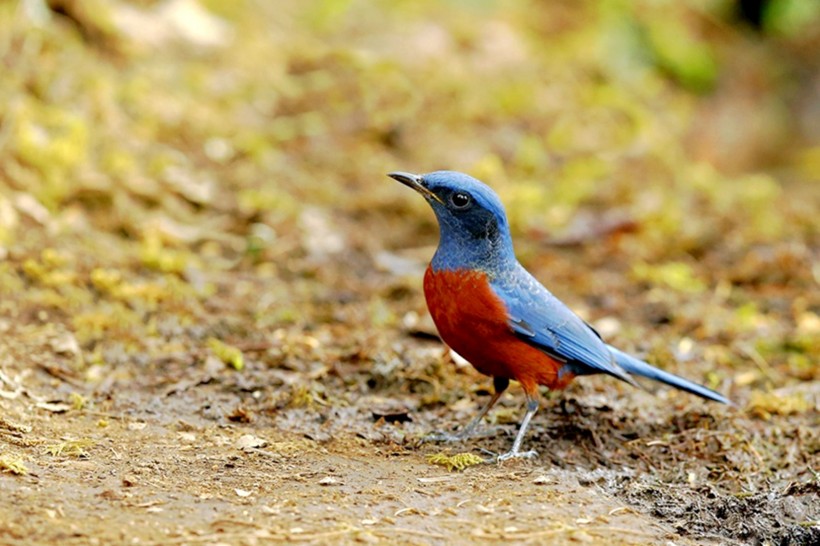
pixel 492 312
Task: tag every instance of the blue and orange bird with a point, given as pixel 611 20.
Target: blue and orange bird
pixel 495 314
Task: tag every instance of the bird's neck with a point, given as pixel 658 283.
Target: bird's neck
pixel 493 255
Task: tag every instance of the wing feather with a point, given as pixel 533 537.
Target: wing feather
pixel 543 321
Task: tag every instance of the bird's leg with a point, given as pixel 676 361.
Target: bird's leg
pixel 500 384
pixel 515 452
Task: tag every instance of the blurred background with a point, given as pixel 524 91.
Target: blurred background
pixel 187 166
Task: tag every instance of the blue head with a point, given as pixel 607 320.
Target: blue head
pixel 472 222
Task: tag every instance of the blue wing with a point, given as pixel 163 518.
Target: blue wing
pixel 542 320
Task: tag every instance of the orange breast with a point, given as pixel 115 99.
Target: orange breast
pixel 472 320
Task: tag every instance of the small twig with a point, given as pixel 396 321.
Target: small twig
pixel 103 414
pixel 18 388
pixel 254 346
pixel 61 374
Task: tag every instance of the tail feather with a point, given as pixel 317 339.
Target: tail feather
pixel 639 367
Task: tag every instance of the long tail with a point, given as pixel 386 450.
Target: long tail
pixel 639 367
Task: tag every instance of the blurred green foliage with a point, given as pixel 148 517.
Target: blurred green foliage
pixel 153 149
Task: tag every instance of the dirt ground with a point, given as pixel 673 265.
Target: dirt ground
pixel 308 444
pixel 210 459
pixel 212 327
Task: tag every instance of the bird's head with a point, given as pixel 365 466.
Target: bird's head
pixel 471 217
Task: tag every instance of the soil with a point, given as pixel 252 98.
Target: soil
pixel 186 455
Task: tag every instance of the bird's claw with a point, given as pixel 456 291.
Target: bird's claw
pixel 443 437
pixel 460 436
pixel 531 454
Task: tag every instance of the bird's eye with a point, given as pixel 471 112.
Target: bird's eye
pixel 461 200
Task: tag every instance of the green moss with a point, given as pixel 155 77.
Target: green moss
pixel 78 401
pixel 459 461
pixel 227 353
pixel 54 141
pixel 70 448
pixel 301 396
pixel 764 405
pixel 690 60
pixel 12 465
pixel 10 281
pixel 678 276
pixel 154 254
pixel 107 322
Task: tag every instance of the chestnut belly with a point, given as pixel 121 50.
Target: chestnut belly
pixel 472 320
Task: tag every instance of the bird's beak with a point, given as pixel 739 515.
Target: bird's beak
pixel 416 182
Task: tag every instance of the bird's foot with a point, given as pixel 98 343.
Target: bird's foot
pixel 514 454
pixel 444 437
pixel 466 433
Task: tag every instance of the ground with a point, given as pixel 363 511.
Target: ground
pixel 212 327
